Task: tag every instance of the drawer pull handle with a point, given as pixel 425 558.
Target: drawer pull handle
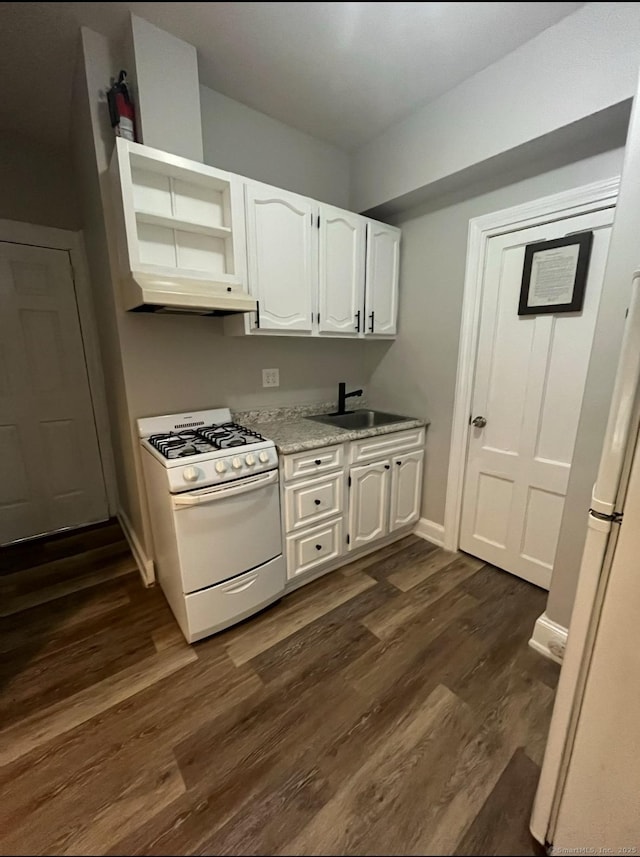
pixel 317 502
pixel 318 461
pixel 318 547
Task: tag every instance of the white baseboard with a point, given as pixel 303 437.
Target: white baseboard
pixel 145 565
pixel 430 531
pixel 549 638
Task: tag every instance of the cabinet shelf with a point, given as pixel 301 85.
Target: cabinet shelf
pixel 183 225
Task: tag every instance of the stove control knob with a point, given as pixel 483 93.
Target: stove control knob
pixel 190 474
pixel 264 457
pixel 236 463
pixel 221 466
pixel 250 459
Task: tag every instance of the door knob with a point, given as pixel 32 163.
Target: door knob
pixel 479 422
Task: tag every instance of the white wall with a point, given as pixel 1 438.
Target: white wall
pixel 178 363
pixel 37 183
pixel 245 141
pixel 418 372
pixel 579 67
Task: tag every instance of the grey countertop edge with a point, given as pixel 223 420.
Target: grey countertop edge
pixel 321 435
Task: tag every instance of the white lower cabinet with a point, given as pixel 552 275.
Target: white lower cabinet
pixel 339 499
pixel 314 547
pixel 368 503
pixel 313 500
pixel 406 489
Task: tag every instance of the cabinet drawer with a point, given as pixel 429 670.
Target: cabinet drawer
pixel 384 445
pixel 313 547
pixel 313 461
pixel 313 500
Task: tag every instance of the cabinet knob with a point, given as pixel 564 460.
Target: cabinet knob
pixel 317 502
pixel 318 547
pixel 318 461
pixel 398 462
pixel 387 466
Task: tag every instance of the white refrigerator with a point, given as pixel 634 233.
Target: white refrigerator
pixel 588 797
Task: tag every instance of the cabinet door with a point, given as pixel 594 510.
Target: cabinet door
pixel 383 262
pixel 368 503
pixel 341 271
pixel 281 257
pixel 406 489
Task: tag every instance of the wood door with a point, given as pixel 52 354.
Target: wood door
pixel 381 284
pixel 282 257
pixel 406 489
pixel 368 503
pixel 529 382
pixel 341 271
pixel 50 467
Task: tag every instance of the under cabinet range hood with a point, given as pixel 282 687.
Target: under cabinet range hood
pixel 181 234
pixel 169 294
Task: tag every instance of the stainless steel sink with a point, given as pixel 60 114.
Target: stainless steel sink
pixel 359 419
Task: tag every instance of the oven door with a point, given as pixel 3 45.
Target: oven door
pixel 227 530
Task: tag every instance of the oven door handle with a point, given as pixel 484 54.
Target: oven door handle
pixel 222 492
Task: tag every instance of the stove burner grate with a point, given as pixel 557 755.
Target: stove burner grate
pixel 201 440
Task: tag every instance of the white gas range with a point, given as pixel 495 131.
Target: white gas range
pixel 212 490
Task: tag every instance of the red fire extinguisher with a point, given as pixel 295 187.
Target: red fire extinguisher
pixel 121 109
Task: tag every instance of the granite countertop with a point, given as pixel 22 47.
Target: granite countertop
pixel 291 432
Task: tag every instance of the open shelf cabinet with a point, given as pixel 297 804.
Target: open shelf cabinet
pixel 179 220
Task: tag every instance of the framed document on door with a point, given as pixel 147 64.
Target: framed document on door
pixel 554 275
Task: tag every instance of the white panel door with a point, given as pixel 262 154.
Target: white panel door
pixel 529 383
pixel 282 237
pixel 381 283
pixel 50 468
pixel 406 489
pixel 341 271
pixel 368 503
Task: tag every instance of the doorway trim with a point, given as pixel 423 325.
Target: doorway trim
pixel 51 238
pixel 580 200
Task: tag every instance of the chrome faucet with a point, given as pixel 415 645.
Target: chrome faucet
pixel 343 396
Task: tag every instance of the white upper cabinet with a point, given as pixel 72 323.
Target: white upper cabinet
pixel 381 287
pixel 281 258
pixel 188 239
pixel 342 237
pixel 181 230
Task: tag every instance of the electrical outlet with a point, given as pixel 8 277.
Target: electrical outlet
pixel 270 377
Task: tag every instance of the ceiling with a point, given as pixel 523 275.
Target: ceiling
pixel 342 72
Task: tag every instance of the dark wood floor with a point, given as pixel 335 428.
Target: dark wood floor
pixel 391 707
